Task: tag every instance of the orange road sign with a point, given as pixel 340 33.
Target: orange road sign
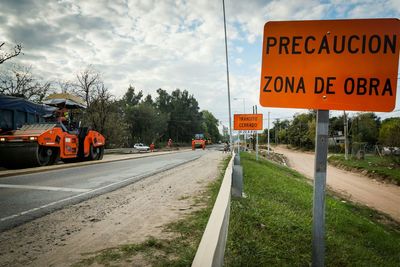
pixel 331 64
pixel 247 122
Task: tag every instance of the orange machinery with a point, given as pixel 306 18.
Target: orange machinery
pixel 42 144
pixel 198 141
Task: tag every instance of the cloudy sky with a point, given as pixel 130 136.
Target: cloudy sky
pixel 167 44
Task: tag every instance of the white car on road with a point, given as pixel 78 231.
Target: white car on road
pixel 141 147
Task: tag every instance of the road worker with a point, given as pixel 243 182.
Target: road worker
pixel 152 147
pixel 169 143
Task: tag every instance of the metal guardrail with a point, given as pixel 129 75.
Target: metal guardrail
pixel 212 245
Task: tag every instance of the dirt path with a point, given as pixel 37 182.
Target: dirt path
pixel 361 189
pixel 127 215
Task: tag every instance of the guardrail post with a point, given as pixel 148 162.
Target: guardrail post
pixel 237 181
pixel 237 177
pixel 236 160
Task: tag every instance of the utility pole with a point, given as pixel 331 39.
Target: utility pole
pixel 244 134
pixel 256 137
pixel 244 112
pixel 346 141
pixel 227 81
pixel 268 133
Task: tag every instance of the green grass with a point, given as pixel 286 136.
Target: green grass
pixel 272 225
pixel 387 167
pixel 176 251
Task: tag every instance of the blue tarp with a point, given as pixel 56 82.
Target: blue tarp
pixel 20 104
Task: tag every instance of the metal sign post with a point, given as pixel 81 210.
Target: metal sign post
pixel 321 153
pixel 268 134
pixel 257 145
pixel 238 142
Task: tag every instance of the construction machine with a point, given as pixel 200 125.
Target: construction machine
pixel 41 144
pixel 198 141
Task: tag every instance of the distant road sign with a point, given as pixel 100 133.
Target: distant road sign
pixel 248 121
pixel 247 132
pixel 331 64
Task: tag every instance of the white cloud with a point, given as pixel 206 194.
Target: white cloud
pixel 169 44
pixel 238 61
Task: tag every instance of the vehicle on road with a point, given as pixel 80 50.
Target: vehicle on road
pixel 198 141
pixel 141 147
pixel 42 144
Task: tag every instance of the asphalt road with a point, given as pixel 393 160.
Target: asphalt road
pixel 29 196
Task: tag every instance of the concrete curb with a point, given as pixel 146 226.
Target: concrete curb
pixel 9 173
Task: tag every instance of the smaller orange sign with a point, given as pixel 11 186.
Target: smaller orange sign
pixel 247 122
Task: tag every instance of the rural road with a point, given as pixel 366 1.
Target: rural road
pixel 380 196
pixel 28 196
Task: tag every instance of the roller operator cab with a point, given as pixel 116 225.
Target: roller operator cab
pixel 198 141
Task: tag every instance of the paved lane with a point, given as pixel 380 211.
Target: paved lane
pixel 25 197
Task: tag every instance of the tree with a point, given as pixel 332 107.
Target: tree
pixel 100 107
pixel 146 123
pixel 98 99
pixel 365 128
pixel 116 129
pixel 210 126
pixel 88 80
pixel 336 124
pixel 389 132
pixel 148 100
pixel 163 101
pixel 279 131
pixel 174 115
pixel 131 98
pixel 301 129
pixel 67 86
pixel 20 82
pixel 4 56
pixel 185 120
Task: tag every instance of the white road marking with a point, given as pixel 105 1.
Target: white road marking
pixel 46 188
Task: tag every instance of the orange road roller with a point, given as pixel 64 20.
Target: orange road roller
pixel 44 144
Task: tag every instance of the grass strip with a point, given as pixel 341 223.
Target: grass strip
pixel 177 251
pixel 272 225
pixel 387 167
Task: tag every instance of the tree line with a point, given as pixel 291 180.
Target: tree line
pixel 365 129
pixel 123 121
